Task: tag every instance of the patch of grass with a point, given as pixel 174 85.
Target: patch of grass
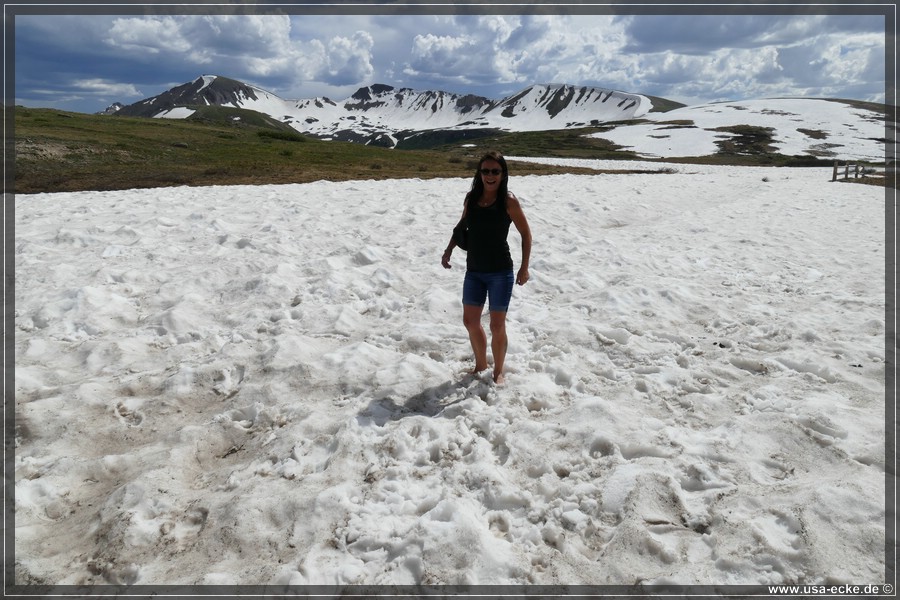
pixel 677 123
pixel 746 140
pixel 876 181
pixel 816 134
pixel 564 143
pixel 237 117
pixel 872 106
pixel 286 136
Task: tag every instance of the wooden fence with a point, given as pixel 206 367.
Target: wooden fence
pixel 857 170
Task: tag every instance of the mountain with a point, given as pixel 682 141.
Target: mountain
pixel 112 109
pixel 383 115
pixel 203 91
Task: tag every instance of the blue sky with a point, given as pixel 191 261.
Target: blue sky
pixel 85 63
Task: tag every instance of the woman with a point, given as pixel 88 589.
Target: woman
pixel 489 209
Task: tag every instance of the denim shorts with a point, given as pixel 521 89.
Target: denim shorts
pixel 497 286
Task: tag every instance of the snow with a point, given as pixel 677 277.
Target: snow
pixel 842 131
pixel 531 111
pixel 207 81
pixel 403 109
pixel 267 385
pixel 179 112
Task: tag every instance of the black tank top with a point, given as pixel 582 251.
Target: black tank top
pixel 488 229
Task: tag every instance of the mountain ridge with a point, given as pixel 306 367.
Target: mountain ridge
pixel 384 115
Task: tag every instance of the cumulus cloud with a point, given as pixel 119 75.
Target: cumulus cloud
pixel 248 46
pixel 718 75
pixel 153 36
pixel 435 57
pixel 349 59
pixel 499 50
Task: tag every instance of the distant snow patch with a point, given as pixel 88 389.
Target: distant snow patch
pixel 179 112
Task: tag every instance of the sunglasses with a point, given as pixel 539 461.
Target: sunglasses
pixel 491 171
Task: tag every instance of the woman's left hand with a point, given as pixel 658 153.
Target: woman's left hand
pixel 522 277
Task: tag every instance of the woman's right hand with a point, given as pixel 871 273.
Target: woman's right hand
pixel 445 260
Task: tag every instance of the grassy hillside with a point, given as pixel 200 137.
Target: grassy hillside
pixel 60 151
pixel 563 143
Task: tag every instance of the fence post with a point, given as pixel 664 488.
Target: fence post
pixel 834 174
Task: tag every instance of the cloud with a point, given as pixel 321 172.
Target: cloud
pixel 833 64
pixel 98 91
pixel 693 35
pixel 435 58
pixel 106 88
pixel 254 47
pixel 349 59
pixel 700 34
pixel 691 59
pixel 705 57
pixel 719 74
pixel 535 49
pixel 501 51
pixel 161 35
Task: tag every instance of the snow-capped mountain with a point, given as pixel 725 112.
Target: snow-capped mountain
pixel 205 90
pixel 112 109
pixel 383 114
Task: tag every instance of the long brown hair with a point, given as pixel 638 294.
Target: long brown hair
pixel 478 185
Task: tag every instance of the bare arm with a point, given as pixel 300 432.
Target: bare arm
pixel 445 259
pixel 514 208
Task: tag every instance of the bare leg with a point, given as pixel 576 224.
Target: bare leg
pixel 499 343
pixel 477 336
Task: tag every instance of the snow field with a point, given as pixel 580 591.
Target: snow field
pixel 267 385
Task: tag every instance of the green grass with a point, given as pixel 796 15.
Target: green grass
pixel 563 143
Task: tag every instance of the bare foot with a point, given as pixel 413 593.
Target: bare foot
pixel 499 378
